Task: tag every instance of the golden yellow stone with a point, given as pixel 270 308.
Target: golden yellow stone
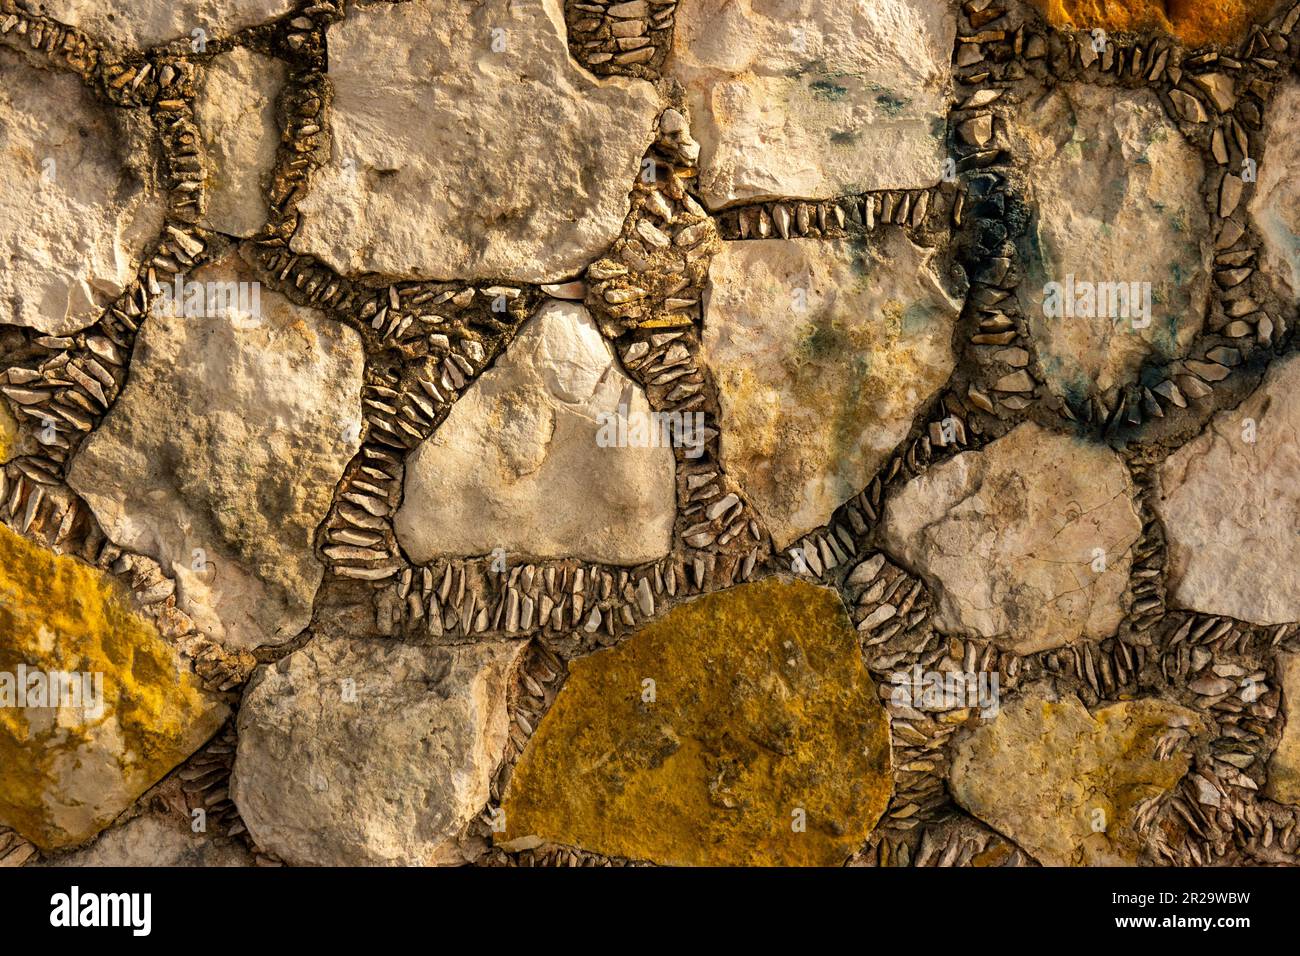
pixel 8 432
pixel 67 772
pixel 1193 21
pixel 740 729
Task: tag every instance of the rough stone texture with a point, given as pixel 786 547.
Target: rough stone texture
pixel 1042 769
pixel 148 22
pixel 1007 536
pixel 814 98
pixel 814 401
pixel 154 839
pixel 78 202
pixel 1276 206
pixel 517 464
pixel 1284 767
pixel 68 772
pixel 1192 21
pixel 519 162
pixel 235 110
pixel 8 432
pixel 1118 199
pixel 1231 508
pixel 229 438
pixel 390 778
pixel 761 707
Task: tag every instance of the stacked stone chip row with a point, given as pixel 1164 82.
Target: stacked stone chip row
pixel 620 37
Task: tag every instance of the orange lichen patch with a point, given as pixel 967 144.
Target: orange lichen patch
pixel 1195 22
pixel 740 729
pixel 131 711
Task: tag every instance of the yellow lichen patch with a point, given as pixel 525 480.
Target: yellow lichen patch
pixel 1193 21
pixel 8 433
pixel 740 729
pixel 67 771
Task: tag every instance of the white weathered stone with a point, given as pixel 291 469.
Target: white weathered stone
pixel 519 462
pixel 814 98
pixel 355 752
pixel 1067 785
pixel 155 839
pixel 78 199
pixel 822 352
pixel 1026 543
pixel 1276 206
pixel 145 23
pixel 221 456
pixel 235 110
pixel 1117 197
pixel 1231 508
pixel 467 143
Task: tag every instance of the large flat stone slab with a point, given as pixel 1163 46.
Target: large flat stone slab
pixel 467 143
pixel 814 98
pixel 823 353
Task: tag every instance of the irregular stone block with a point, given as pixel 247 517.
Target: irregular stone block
pixel 149 22
pixel 1284 766
pixel 78 198
pixel 814 98
pixel 370 753
pixel 1026 543
pixel 518 161
pixel 822 351
pixel 139 710
pixel 235 110
pixel 154 839
pixel 1065 784
pixel 221 456
pixel 1195 22
pixel 522 462
pixel 739 729
pixel 1276 205
pixel 1231 508
pixel 1117 194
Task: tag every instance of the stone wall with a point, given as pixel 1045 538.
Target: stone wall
pixel 575 432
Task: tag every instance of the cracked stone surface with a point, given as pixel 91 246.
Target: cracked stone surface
pixel 524 442
pixel 814 98
pixel 78 201
pixel 1027 542
pixel 1064 783
pixel 150 22
pixel 425 120
pixel 386 770
pixel 1276 206
pixel 1117 194
pixel 236 112
pixel 228 441
pixel 760 707
pixel 823 352
pixel 1232 511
